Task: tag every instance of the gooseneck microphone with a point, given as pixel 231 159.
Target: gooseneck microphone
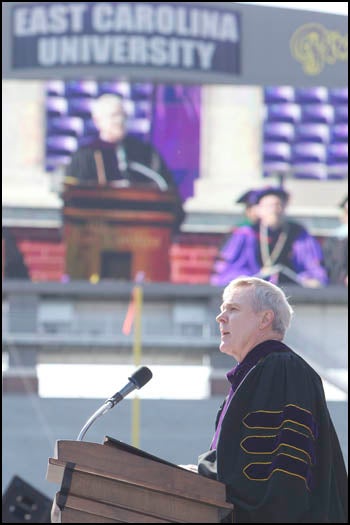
pixel 137 380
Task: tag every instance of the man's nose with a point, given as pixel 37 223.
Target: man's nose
pixel 219 317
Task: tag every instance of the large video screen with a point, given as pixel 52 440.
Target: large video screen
pixel 211 144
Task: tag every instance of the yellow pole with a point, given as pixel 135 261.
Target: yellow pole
pixel 137 351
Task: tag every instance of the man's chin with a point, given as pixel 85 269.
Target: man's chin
pixel 113 139
pixel 223 348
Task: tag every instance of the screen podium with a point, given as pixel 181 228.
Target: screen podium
pixel 113 231
pixel 117 483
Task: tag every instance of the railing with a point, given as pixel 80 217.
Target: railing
pixel 57 321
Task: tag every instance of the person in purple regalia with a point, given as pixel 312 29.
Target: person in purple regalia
pixel 274 248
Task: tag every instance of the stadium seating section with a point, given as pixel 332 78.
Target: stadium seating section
pixel 305 132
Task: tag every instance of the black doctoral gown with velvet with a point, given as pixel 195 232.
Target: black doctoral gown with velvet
pixel 278 452
pixel 135 157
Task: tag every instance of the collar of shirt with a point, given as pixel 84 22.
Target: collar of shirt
pixel 238 372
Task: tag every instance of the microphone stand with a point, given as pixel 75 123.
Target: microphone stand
pixel 110 403
pixel 137 380
pixel 107 405
pixel 150 173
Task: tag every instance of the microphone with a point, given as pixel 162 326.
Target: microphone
pixel 150 173
pixel 137 380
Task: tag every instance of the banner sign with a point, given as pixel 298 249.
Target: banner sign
pixel 158 35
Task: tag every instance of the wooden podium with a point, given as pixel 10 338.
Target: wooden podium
pixel 118 483
pixel 115 232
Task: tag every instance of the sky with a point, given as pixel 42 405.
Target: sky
pixel 339 8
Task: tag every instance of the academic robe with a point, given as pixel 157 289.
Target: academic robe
pixel 278 452
pixel 241 255
pixel 117 163
pixel 14 263
pixel 336 251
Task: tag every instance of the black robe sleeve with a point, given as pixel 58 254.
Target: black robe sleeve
pixel 278 452
pixel 82 167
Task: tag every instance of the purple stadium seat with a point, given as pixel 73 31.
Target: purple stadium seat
pixel 277 151
pixel 341 175
pixel 56 88
pixel 278 131
pixel 337 153
pixel 312 132
pixel 56 106
pixel 55 161
pixel 114 87
pixel 141 91
pixel 317 113
pixel 80 107
pixel 339 133
pixel 65 125
pixel 277 94
pixel 311 95
pixel 338 171
pixel 272 169
pixel 337 160
pixel 276 158
pixel 341 114
pixel 89 127
pixel 338 95
pixel 283 113
pixel 308 152
pixel 310 171
pixel 142 109
pixel 139 126
pixel 81 88
pixel 61 144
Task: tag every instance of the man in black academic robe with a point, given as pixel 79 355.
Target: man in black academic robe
pixel 275 446
pixel 117 157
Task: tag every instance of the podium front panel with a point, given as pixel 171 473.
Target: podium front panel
pixel 117 232
pixel 115 479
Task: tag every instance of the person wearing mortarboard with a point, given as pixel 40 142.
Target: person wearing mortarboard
pixel 249 199
pixel 335 249
pixel 275 248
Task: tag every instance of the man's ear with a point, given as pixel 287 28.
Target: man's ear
pixel 267 318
